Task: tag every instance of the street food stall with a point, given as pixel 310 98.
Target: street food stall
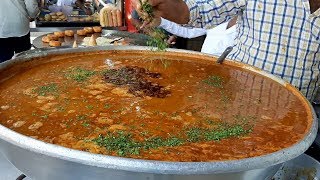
pixel 75 24
pixel 71 24
pixel 74 14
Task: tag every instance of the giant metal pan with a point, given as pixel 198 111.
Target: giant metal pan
pixel 42 161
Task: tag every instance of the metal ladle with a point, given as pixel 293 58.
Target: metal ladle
pixel 223 56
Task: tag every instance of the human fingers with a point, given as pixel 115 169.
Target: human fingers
pixel 144 24
pixel 156 21
pixel 171 40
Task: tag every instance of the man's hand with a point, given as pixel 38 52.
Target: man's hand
pixel 173 10
pixel 172 40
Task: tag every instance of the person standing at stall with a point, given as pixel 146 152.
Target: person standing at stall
pixel 278 36
pixel 15 16
pixel 95 3
pixel 98 6
pixel 65 2
pixel 83 5
pixel 217 38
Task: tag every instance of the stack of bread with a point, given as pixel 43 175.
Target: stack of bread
pixel 53 39
pixel 110 16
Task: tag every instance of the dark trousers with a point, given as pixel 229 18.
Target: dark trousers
pixel 11 45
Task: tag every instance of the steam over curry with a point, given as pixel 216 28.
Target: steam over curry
pixel 155 106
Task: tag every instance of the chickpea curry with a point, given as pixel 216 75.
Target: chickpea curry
pixel 156 106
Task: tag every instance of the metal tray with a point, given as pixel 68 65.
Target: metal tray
pixel 66 24
pixel 303 167
pixel 66 41
pixel 131 38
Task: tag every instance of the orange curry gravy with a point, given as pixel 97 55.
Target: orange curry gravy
pixel 210 112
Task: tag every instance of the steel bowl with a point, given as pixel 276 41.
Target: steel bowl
pixel 44 161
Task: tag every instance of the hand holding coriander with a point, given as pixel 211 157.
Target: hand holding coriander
pixel 173 10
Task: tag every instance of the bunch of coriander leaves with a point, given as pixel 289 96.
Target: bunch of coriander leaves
pixel 157 35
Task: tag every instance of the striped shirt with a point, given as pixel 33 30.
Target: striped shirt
pixel 278 36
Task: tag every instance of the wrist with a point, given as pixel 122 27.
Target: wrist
pixel 163 22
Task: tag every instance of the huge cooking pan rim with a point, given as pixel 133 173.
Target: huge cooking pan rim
pixel 151 166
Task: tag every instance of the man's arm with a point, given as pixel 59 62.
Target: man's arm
pixel 32 8
pixel 199 13
pixel 181 31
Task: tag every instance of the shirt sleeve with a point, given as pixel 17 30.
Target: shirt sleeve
pixel 210 13
pixel 181 31
pixel 32 8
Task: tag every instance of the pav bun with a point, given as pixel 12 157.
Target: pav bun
pixel 59 34
pixel 81 32
pixel 97 29
pixel 69 33
pixel 54 43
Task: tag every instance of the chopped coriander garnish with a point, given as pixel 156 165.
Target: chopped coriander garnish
pixel 85 124
pixel 124 144
pixel 215 81
pixel 80 74
pixel 194 134
pixel 107 106
pixel 144 133
pixel 81 117
pixel 90 107
pixel 46 89
pixel 44 116
pixel 120 142
pixel 61 109
pixel 223 133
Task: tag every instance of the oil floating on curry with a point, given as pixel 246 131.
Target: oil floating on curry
pixel 152 106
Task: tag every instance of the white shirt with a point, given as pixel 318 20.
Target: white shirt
pixel 181 31
pixel 218 39
pixel 65 2
pixel 15 17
